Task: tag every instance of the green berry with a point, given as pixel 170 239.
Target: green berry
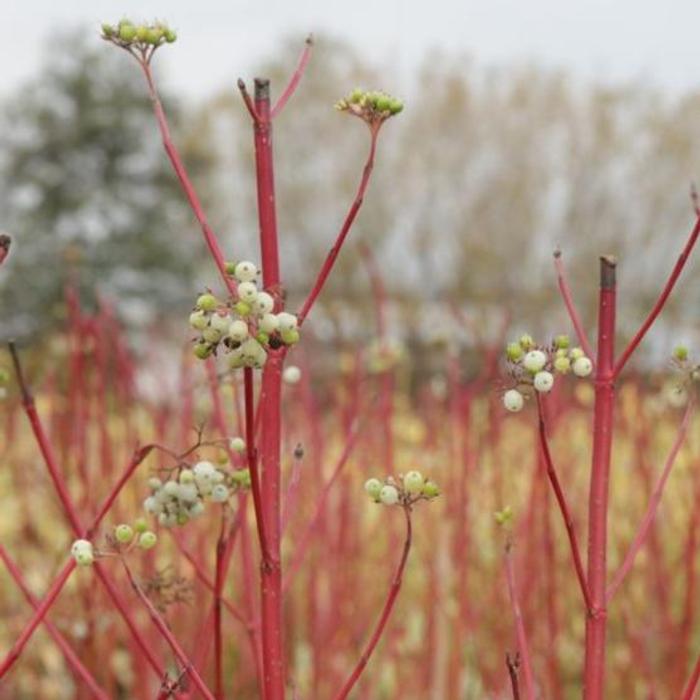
pixel 514 352
pixel 395 106
pixel 124 533
pixel 262 338
pixel 373 487
pixel 562 342
pixel 147 540
pixel 202 350
pixel 431 489
pixel 680 353
pixel 140 525
pixel 290 337
pixel 527 342
pixel 562 365
pixel 243 308
pixel 207 302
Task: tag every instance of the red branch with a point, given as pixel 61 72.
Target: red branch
pixel 384 617
pixel 655 500
pixel 563 505
pixel 661 301
pixel 295 79
pixel 570 306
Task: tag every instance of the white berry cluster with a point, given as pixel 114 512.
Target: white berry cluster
pixel 143 36
pixel 178 500
pixel 409 488
pixel 124 538
pixel 245 325
pixel 371 106
pixel 533 367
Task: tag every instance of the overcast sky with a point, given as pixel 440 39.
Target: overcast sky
pixel 221 39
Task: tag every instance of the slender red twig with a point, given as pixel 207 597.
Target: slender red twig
pixel 385 614
pixel 344 230
pixel 654 501
pixel 295 79
pixel 71 656
pixel 563 505
pixel 523 648
pixel 692 685
pixel 661 301
pixel 191 194
pixel 168 635
pixel 570 306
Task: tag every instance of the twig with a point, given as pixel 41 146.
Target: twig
pixel 654 501
pixel 661 301
pixel 563 505
pixel 570 306
pixel 523 648
pixel 512 664
pixel 386 612
pixel 295 79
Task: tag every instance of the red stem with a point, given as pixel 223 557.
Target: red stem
pixel 270 408
pixel 384 617
pixel 344 230
pixel 295 79
pixel 599 486
pixel 570 306
pixel 176 161
pixel 523 647
pixel 650 514
pixel 563 505
pixel 661 301
pixel 168 636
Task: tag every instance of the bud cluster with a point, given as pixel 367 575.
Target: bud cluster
pixel 142 36
pixel 178 500
pixel 374 107
pixel 124 538
pixel 409 488
pixel 245 325
pixel 533 367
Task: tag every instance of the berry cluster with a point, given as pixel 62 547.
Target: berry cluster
pixel 410 487
pixel 143 36
pixel 533 367
pixel 124 538
pixel 178 500
pixel 245 326
pixel 373 107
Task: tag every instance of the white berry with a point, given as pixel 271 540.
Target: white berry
pixel 513 400
pixel 389 495
pixel 291 374
pixel 534 361
pixel 543 382
pixel 245 271
pixel 582 367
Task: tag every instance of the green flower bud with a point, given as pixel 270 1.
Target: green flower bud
pixel 155 34
pixel 170 36
pixel 355 96
pixel 142 33
pixel 383 103
pixel 140 525
pixel 562 365
pixel 395 106
pixel 123 533
pixel 147 540
pixel 127 32
pixel 107 30
pixel 207 302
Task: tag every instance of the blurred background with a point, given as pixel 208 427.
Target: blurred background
pixel 527 127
